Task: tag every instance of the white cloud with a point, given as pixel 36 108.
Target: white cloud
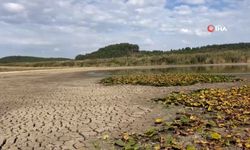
pixel 147 3
pixel 75 26
pixel 136 2
pixel 13 7
pixel 23 41
pixel 56 49
pixel 183 10
pixel 194 2
pixel 186 31
pixel 202 33
pixel 185 42
pixel 149 41
pixel 201 9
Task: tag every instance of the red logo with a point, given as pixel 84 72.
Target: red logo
pixel 211 28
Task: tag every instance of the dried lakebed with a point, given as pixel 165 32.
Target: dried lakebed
pixel 70 110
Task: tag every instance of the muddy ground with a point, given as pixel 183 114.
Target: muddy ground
pixel 67 109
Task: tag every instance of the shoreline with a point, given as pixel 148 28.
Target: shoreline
pixel 79 69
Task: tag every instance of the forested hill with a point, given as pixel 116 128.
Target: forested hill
pixel 16 59
pixel 112 51
pixel 126 49
pixel 203 49
pixel 126 54
pixel 223 47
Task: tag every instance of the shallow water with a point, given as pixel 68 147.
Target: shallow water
pixel 196 69
pixel 223 69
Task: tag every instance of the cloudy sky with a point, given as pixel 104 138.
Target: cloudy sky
pixel 65 28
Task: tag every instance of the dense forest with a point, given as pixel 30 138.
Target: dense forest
pixel 129 55
pixel 17 59
pixel 112 51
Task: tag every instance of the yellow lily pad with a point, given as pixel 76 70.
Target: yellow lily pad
pixel 158 121
pixel 190 147
pixel 215 136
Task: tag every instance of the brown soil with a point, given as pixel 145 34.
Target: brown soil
pixel 68 109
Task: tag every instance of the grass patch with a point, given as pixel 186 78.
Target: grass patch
pixel 170 79
pixel 217 119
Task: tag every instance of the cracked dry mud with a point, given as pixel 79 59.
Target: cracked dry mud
pixel 68 110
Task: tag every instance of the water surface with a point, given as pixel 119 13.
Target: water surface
pixel 216 69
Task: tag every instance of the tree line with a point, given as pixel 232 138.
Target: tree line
pixel 17 59
pixel 112 51
pixel 126 54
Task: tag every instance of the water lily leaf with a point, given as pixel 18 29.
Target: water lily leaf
pixel 125 136
pixel 105 137
pixel 215 136
pixel 120 143
pixel 157 147
pixel 131 147
pixel 190 147
pixel 227 142
pixel 193 117
pixel 185 120
pixel 247 145
pixel 151 132
pixel 209 108
pixel 211 123
pixel 131 142
pixel 158 121
pixel 177 146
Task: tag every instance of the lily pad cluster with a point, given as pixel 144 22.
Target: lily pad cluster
pixel 213 119
pixel 231 107
pixel 169 79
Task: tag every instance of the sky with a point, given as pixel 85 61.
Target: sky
pixel 65 28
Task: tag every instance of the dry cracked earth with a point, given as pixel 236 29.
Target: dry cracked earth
pixel 70 110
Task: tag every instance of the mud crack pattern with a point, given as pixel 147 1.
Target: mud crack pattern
pixel 67 110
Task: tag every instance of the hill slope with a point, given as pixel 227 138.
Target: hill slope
pixel 112 51
pixel 17 59
pixel 126 50
pixel 204 49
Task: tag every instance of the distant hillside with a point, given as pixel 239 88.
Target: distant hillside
pixel 127 50
pixel 112 51
pixel 203 49
pixel 17 59
pixel 129 55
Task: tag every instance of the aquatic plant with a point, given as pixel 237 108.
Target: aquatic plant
pixel 169 79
